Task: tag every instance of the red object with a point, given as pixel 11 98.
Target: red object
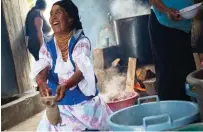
pixel 138 87
pixel 117 105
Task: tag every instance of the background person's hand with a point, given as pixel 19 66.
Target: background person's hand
pixel 173 14
pixel 44 90
pixel 60 91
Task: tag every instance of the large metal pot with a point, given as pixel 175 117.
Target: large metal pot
pixel 133 38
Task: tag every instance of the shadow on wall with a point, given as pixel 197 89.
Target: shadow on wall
pixel 19 69
pixel 8 79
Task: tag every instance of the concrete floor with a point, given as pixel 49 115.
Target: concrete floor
pixel 28 125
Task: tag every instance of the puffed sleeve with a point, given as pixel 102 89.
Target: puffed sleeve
pixel 81 56
pixel 44 61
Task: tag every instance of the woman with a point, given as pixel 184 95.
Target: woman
pixel 64 62
pixel 36 28
pixel 171 46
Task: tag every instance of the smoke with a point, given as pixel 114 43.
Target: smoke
pixel 128 8
pixel 114 86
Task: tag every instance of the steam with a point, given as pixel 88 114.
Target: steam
pixel 128 8
pixel 114 89
pixel 114 86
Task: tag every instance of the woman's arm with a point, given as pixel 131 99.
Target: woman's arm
pixel 171 13
pixel 42 76
pixel 39 25
pixel 75 79
pixel 41 80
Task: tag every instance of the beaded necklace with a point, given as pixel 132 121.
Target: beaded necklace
pixel 62 43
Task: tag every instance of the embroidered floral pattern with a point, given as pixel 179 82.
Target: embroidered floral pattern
pixel 75 118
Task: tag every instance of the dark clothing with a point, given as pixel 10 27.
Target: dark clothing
pixel 173 59
pixel 31 31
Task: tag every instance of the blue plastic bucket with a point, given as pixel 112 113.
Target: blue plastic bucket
pixel 154 116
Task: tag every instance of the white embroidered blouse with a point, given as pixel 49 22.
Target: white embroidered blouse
pixel 81 57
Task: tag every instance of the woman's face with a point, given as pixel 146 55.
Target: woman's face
pixel 60 20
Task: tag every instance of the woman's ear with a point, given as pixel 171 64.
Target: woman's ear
pixel 70 20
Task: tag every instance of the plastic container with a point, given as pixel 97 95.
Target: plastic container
pixel 192 127
pixel 190 92
pixel 191 11
pixel 154 116
pixel 150 86
pixel 117 105
pixel 196 79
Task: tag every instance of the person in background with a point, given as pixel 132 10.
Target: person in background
pixel 64 69
pixel 36 28
pixel 170 37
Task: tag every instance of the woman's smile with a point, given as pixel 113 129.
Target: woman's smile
pixel 55 23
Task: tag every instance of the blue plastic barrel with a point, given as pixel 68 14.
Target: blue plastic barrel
pixel 154 116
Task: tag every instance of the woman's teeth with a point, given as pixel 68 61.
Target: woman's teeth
pixel 55 23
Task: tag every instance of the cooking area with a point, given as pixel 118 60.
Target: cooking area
pixel 144 59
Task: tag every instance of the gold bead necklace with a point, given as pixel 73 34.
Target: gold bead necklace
pixel 62 43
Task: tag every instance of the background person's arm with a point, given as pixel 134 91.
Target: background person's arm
pixel 39 25
pixel 171 13
pixel 159 5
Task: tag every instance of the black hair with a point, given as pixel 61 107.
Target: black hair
pixel 41 4
pixel 72 11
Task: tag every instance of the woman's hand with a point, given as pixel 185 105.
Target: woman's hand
pixel 71 82
pixel 44 90
pixel 41 80
pixel 173 14
pixel 60 91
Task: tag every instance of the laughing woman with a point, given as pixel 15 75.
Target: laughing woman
pixel 64 68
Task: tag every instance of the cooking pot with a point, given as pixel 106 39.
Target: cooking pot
pixel 133 38
pixel 196 79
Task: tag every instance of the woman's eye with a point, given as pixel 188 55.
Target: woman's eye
pixel 58 12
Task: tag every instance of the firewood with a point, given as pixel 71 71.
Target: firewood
pixel 197 61
pixel 131 74
pixel 98 58
pixel 115 62
pixel 101 75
